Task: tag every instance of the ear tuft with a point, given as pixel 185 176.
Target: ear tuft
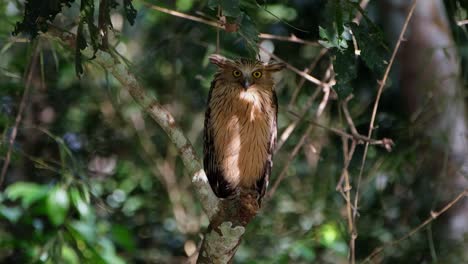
pixel 218 60
pixel 276 66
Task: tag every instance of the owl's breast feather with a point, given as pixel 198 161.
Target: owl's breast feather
pixel 242 131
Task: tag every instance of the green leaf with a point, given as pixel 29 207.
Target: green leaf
pixel 132 204
pixel 229 7
pixel 12 214
pixel 57 205
pixel 38 15
pixel 299 249
pixel 85 229
pixel 27 192
pixel 122 236
pixel 108 252
pixel 130 11
pixel 275 12
pixel 329 234
pixel 373 49
pixel 184 5
pixel 69 255
pixel 334 31
pixel 345 65
pixel 248 30
pixel 79 203
pixel 329 39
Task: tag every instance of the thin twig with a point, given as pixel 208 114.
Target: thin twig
pixel 292 38
pixel 360 139
pixel 303 74
pixel 433 215
pixel 348 118
pixel 308 70
pixel 462 22
pixel 19 115
pixel 386 142
pixel 363 5
pixel 291 157
pixel 288 131
pixel 324 102
pixel 346 193
pixel 377 99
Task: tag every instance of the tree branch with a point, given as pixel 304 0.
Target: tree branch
pixel 24 99
pixel 164 118
pixel 228 217
pixel 292 38
pixel 432 217
pixel 377 99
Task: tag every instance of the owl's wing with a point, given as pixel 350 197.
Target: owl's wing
pixel 262 183
pixel 211 164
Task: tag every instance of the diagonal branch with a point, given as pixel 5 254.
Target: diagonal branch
pixel 292 38
pixel 24 99
pixel 377 99
pixel 228 217
pixel 432 217
pixel 360 139
pixel 164 118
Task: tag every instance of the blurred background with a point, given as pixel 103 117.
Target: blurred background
pixel 88 177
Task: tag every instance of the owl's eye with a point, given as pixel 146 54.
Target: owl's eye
pixel 257 74
pixel 236 73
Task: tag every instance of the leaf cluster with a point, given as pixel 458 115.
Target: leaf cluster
pixel 337 35
pixel 38 16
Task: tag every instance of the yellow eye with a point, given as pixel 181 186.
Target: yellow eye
pixel 236 73
pixel 257 74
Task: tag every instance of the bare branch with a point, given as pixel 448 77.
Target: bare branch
pixel 462 22
pixel 164 118
pixel 432 217
pixel 288 131
pixel 308 70
pixel 292 38
pixel 291 157
pixel 303 74
pixel 19 115
pixel 377 99
pixel 360 139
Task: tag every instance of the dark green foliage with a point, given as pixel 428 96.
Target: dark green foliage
pixel 345 65
pixel 230 8
pixel 86 18
pixel 463 4
pixel 336 35
pixel 371 45
pixel 37 15
pixel 246 27
pixel 130 11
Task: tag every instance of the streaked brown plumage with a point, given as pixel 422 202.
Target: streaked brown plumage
pixel 240 126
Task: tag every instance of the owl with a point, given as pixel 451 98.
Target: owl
pixel 240 126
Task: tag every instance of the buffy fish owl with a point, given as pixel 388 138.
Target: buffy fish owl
pixel 240 126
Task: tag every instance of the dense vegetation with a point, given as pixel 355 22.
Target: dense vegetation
pixel 89 177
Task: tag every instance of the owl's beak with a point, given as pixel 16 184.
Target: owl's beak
pixel 246 84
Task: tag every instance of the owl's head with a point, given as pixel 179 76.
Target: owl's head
pixel 245 72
